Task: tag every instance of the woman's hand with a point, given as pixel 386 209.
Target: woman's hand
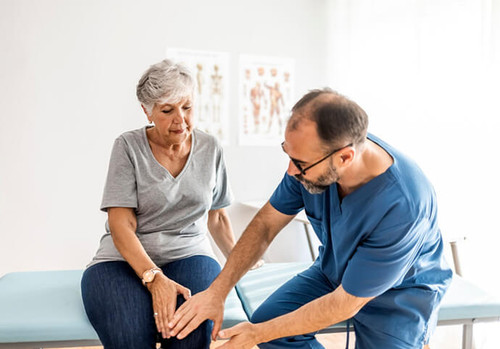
pixel 164 292
pixel 257 265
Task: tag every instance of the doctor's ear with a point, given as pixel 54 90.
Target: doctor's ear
pixel 346 156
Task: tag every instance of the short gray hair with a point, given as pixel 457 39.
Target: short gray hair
pixel 165 82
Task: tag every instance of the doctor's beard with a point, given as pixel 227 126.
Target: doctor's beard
pixel 320 184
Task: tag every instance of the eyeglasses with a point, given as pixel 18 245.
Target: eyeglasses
pixel 303 170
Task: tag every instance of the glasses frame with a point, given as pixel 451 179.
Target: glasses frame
pixel 303 170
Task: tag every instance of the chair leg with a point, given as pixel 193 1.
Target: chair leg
pixel 467 337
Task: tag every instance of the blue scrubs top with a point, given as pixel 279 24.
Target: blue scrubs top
pixel 382 241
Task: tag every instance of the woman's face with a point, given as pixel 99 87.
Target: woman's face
pixel 173 121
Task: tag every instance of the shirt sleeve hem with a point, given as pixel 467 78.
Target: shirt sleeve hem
pixel 363 294
pixel 221 205
pixel 104 208
pixel 275 203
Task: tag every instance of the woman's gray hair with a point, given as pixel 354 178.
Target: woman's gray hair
pixel 165 82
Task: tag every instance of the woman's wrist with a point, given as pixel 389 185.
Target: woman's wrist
pixel 149 275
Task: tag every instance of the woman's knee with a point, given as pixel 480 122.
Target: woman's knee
pixel 200 338
pixel 195 273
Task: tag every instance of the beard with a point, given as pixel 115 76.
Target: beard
pixel 320 184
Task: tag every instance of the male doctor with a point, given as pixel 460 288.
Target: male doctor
pixel 375 213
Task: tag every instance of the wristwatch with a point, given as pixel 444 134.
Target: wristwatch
pixel 149 275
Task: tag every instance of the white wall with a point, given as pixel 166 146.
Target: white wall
pixel 68 71
pixel 426 71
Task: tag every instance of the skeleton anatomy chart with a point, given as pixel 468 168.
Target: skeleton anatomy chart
pixel 266 87
pixel 210 70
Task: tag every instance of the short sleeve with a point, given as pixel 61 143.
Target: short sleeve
pixel 383 259
pixel 120 189
pixel 287 198
pixel 222 195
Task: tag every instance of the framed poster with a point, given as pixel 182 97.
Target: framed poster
pixel 265 99
pixel 211 71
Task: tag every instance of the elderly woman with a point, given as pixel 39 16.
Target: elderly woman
pixel 166 185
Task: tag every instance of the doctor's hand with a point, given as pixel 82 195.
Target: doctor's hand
pixel 202 306
pixel 241 336
pixel 164 294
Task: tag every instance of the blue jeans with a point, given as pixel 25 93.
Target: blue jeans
pixel 121 310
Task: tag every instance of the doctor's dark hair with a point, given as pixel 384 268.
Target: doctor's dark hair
pixel 339 121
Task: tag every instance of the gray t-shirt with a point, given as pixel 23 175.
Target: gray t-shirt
pixel 171 212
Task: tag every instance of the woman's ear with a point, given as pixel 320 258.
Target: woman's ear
pixel 147 114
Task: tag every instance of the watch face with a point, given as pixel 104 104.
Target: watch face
pixel 148 276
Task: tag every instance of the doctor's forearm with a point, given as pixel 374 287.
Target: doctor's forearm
pixel 250 247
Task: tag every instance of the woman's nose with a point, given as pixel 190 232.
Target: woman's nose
pixel 180 115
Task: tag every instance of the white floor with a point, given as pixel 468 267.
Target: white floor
pixel 486 336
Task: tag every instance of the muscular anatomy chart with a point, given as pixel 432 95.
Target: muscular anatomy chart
pixel 266 87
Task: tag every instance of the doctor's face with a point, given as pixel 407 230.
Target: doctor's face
pixel 322 182
pixel 308 163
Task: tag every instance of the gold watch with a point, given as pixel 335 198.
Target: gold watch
pixel 149 275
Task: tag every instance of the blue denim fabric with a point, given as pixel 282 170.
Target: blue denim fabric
pixel 120 308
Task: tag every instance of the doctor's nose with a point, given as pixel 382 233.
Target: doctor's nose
pixel 292 169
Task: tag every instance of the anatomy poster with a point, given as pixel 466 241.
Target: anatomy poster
pixel 211 70
pixel 266 87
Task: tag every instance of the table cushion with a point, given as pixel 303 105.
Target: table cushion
pixel 464 301
pixel 259 284
pixel 47 306
pixel 43 306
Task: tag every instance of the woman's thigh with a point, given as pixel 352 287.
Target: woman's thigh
pixel 195 273
pixel 118 306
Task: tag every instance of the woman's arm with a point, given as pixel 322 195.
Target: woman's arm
pixel 123 224
pixel 221 230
